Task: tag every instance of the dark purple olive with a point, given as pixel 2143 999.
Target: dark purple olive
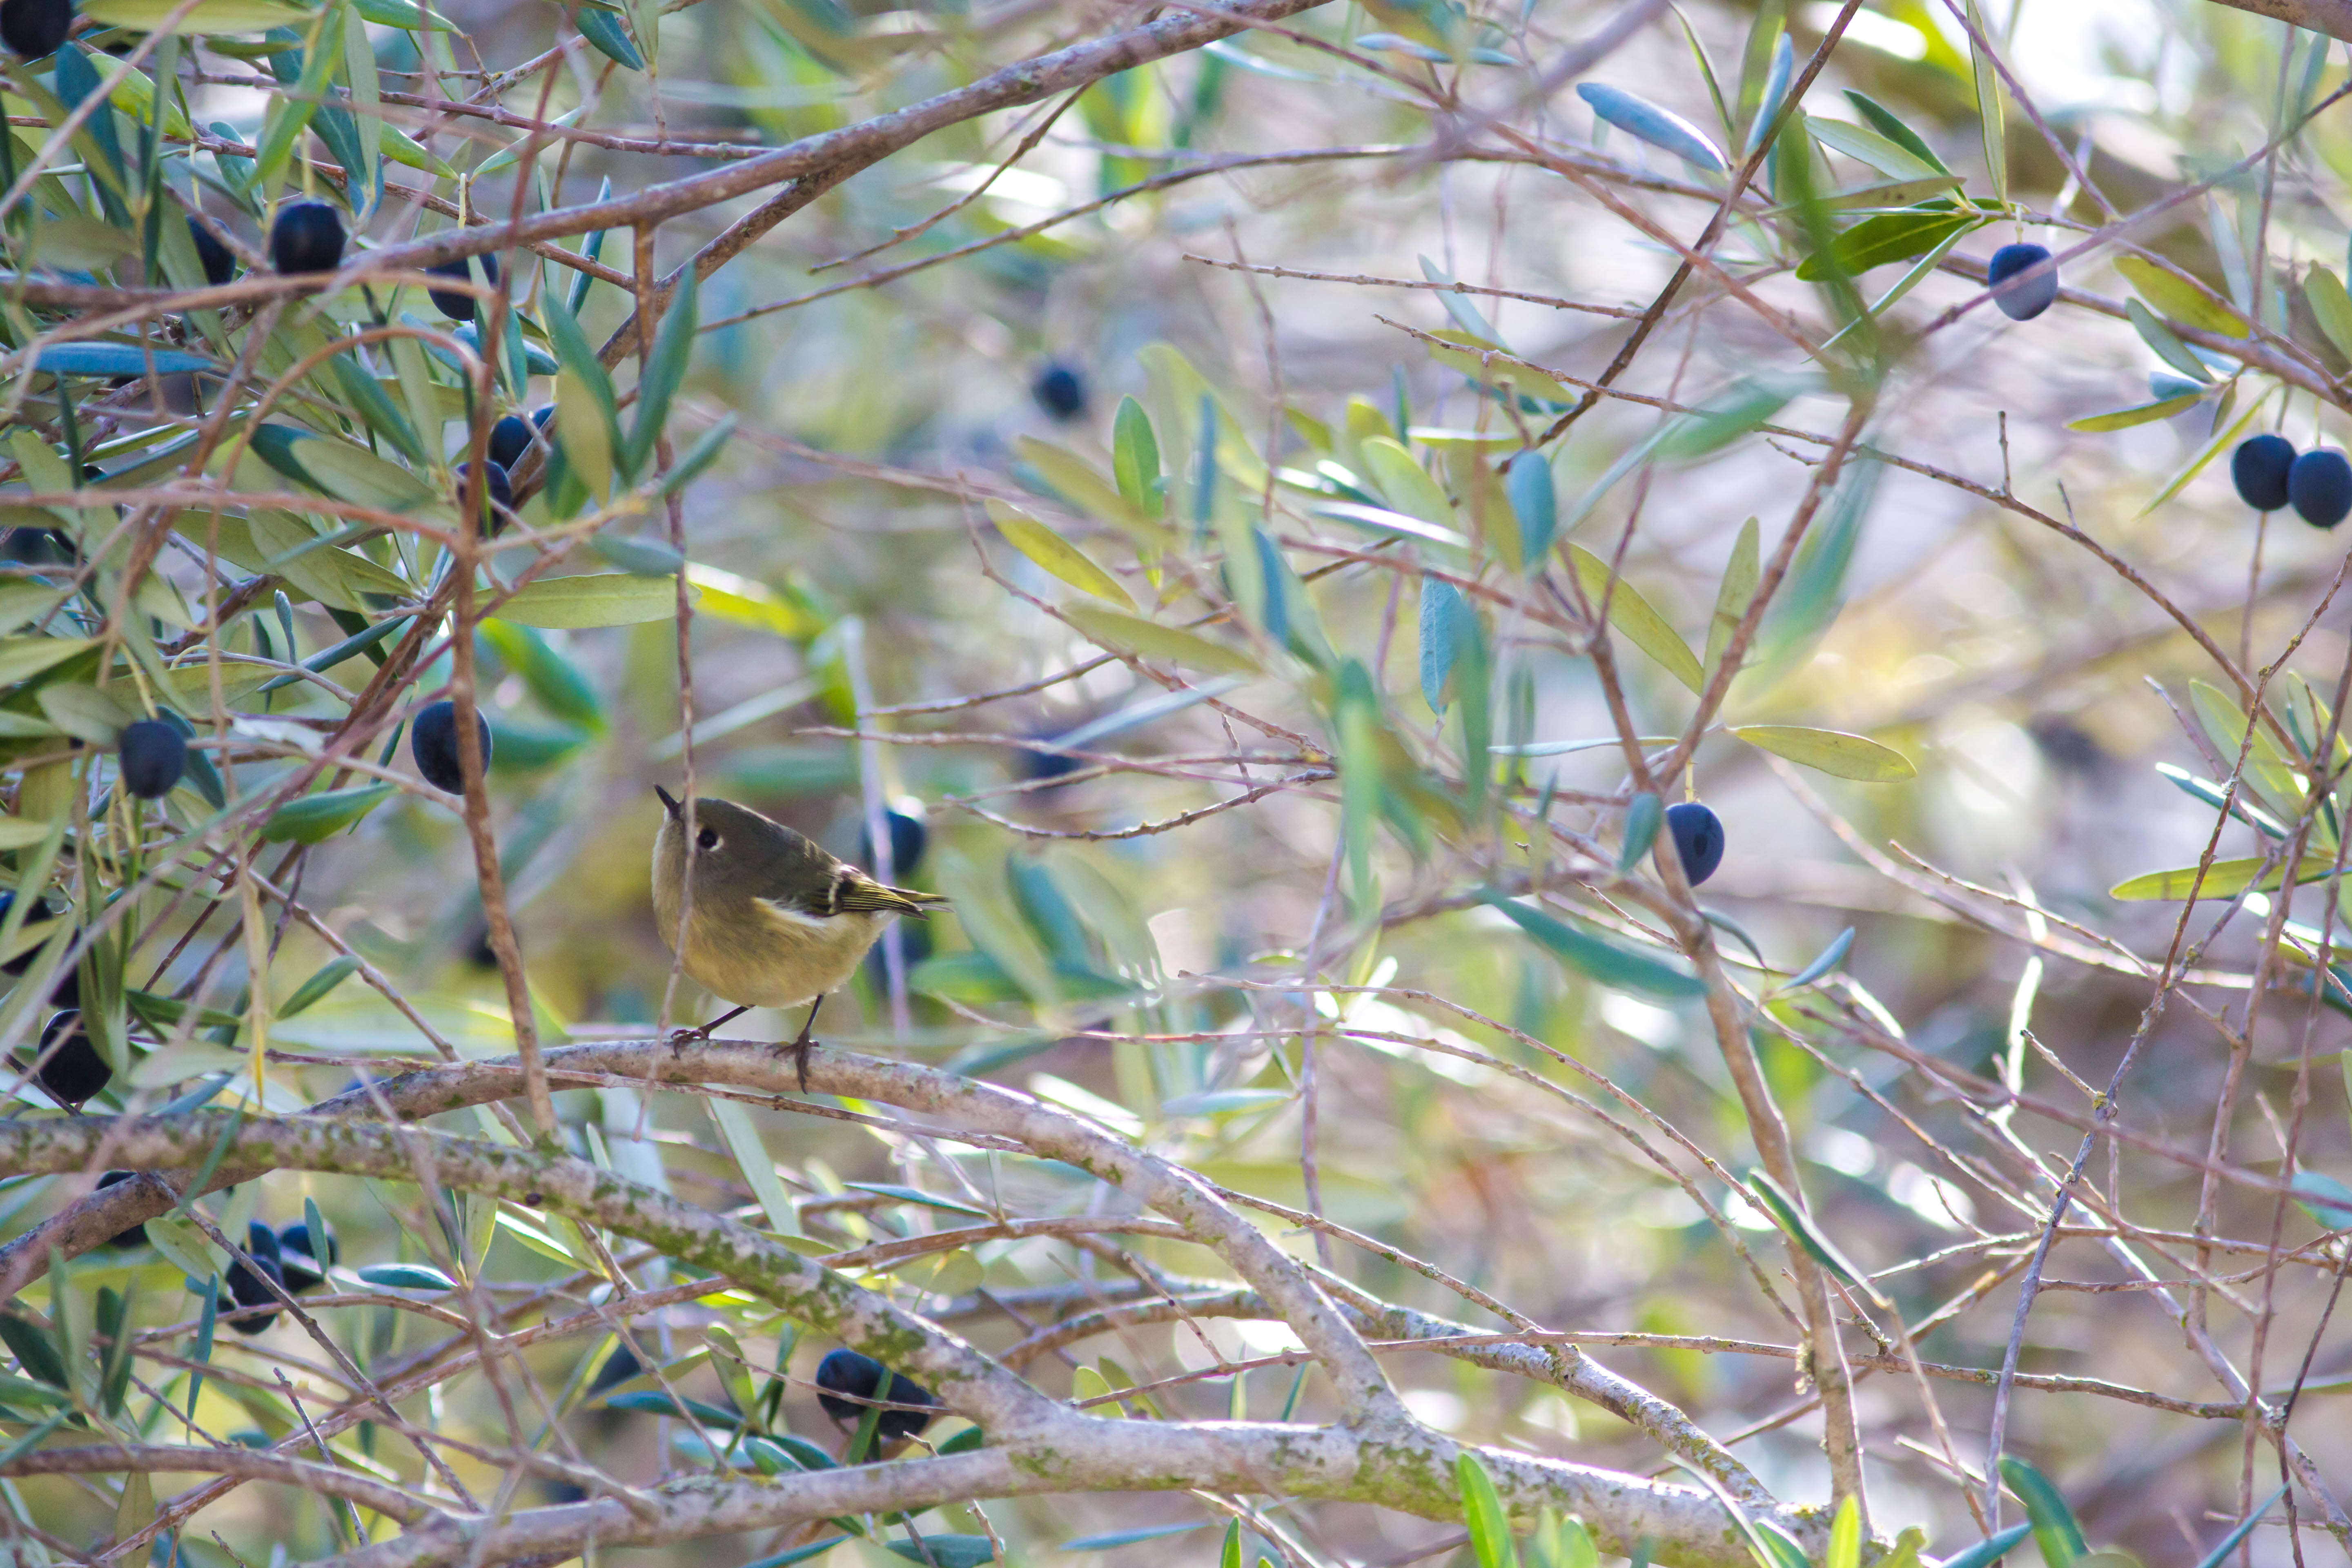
pixel 37 547
pixel 844 1371
pixel 33 28
pixel 619 1367
pixel 498 493
pixel 246 1288
pixel 220 261
pixel 154 756
pixel 2259 468
pixel 66 993
pixel 137 1235
pixel 71 1069
pixel 1045 767
pixel 307 237
pixel 299 1263
pixel 23 961
pixel 1698 839
pixel 433 742
pixel 2320 485
pixel 456 304
pixel 2024 280
pixel 913 938
pixel 909 838
pixel 1060 391
pixel 510 438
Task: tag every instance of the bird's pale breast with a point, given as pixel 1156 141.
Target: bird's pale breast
pixel 772 957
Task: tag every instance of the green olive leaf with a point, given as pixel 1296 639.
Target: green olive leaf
pixel 1134 635
pixel 1831 752
pixel 1632 614
pixel 1053 555
pixel 597 599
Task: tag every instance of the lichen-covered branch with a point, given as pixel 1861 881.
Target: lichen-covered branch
pixel 1379 1453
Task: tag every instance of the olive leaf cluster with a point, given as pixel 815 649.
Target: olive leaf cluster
pixel 1551 952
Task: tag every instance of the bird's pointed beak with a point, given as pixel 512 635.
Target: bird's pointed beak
pixel 668 804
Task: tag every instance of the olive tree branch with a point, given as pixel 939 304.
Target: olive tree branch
pixel 1379 1454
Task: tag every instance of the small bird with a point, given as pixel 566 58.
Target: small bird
pixel 775 921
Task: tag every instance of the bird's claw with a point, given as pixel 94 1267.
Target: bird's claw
pixel 802 1044
pixel 800 1047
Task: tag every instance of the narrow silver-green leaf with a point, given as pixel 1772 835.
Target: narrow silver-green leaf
pixel 1642 815
pixel 2140 413
pixel 1482 1512
pixel 1659 127
pixel 2167 347
pixel 2054 1529
pixel 1990 122
pixel 665 371
pixel 1601 960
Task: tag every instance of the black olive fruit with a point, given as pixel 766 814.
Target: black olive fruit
pixel 2259 468
pixel 33 28
pixel 844 1371
pixel 2320 485
pixel 914 946
pixel 154 756
pixel 1698 839
pixel 909 838
pixel 434 743
pixel 510 438
pixel 1046 767
pixel 36 547
pixel 66 992
pixel 137 1235
pixel 299 1263
pixel 71 1069
pixel 220 261
pixel 23 961
pixel 498 493
pixel 455 305
pixel 2022 280
pixel 247 1287
pixel 619 1367
pixel 1060 391
pixel 307 237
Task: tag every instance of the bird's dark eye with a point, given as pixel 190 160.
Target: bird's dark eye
pixel 707 838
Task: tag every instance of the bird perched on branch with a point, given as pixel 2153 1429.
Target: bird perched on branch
pixel 774 921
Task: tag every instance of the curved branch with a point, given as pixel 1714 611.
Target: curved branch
pixel 1177 1193
pixel 852 146
pixel 1382 1456
pixel 2333 18
pixel 1415 1476
pixel 967 1381
pixel 244 1463
pixel 1584 1377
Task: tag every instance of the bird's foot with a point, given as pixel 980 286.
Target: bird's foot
pixel 684 1037
pixel 800 1046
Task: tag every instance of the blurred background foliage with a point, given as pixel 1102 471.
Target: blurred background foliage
pixel 878 551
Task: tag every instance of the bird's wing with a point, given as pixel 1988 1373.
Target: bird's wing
pixel 855 892
pixel 791 913
pixel 842 889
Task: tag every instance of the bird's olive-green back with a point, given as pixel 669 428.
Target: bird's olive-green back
pixel 753 858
